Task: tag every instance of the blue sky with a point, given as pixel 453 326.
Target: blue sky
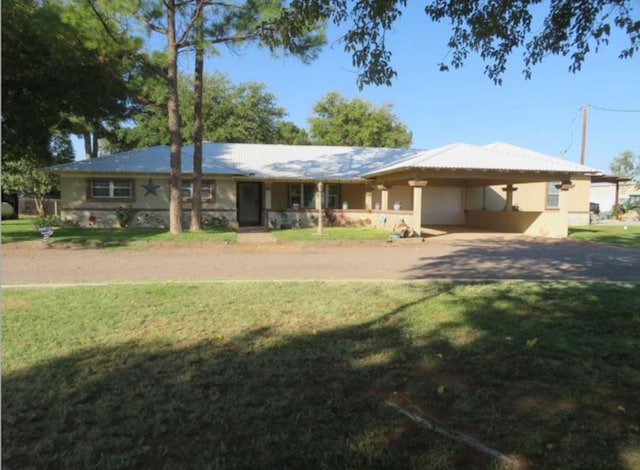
pixel 543 114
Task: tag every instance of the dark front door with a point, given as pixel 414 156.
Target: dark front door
pixel 249 203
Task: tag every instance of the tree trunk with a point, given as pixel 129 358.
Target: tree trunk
pixel 196 201
pixel 94 146
pixel 41 207
pixel 175 197
pixel 87 144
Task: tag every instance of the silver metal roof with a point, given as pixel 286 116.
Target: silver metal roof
pixel 324 162
pixel 497 157
pixel 252 160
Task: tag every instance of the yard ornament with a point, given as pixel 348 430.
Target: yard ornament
pixel 46 232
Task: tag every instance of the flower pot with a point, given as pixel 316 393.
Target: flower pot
pixel 397 206
pixel 345 206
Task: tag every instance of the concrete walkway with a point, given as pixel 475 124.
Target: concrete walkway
pixel 255 235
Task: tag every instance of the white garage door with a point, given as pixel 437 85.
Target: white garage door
pixel 442 206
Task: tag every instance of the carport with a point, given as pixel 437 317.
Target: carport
pixel 475 187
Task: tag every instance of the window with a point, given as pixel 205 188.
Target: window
pixel 116 189
pixel 304 196
pixel 206 192
pixel 553 195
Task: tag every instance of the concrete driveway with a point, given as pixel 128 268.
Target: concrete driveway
pixel 462 256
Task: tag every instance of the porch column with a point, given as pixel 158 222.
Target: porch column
pixel 319 187
pixel 384 196
pixel 417 186
pixel 368 199
pixel 563 203
pixel 509 189
pixel 267 196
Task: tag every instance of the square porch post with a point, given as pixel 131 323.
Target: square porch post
pixel 509 190
pixel 319 191
pixel 417 186
pixel 384 196
pixel 368 199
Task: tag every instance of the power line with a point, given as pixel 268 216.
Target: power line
pixel 614 110
pixel 599 108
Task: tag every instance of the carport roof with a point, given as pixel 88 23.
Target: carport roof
pixel 498 156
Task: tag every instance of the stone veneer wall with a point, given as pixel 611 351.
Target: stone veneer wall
pixel 385 220
pixel 151 219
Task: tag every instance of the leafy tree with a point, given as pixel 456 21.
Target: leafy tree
pixel 493 29
pixel 229 23
pixel 25 176
pixel 244 113
pixel 627 164
pixel 55 75
pixel 286 132
pixel 356 122
pixel 117 87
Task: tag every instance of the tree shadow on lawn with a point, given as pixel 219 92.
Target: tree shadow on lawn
pixel 531 260
pixel 559 388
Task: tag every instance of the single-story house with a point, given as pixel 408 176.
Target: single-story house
pixel 497 187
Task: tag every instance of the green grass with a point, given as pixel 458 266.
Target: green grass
pixel 295 375
pixel 22 230
pixel 612 234
pixel 331 234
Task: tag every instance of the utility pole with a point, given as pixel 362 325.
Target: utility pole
pixel 584 133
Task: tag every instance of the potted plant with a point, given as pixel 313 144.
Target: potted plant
pixel 397 206
pixel 345 205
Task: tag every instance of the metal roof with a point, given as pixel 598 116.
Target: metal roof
pixel 324 162
pixel 498 157
pixel 253 160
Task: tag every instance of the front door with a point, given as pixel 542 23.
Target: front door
pixel 249 203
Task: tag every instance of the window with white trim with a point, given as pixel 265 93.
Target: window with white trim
pixel 553 195
pixel 111 189
pixel 206 191
pixel 303 195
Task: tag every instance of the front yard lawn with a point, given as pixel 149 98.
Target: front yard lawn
pixel 613 234
pixel 296 375
pixel 23 230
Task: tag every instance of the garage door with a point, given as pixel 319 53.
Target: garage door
pixel 442 206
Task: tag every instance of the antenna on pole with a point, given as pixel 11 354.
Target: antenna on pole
pixel 584 133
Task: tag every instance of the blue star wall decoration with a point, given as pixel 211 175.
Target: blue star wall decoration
pixel 150 188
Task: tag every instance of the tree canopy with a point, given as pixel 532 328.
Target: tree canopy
pixel 627 164
pixel 356 122
pixel 241 113
pixel 56 74
pixel 493 29
pixel 25 177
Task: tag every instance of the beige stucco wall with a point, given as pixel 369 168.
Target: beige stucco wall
pixel 537 224
pixel 401 193
pixel 74 194
pixel 353 194
pixel 148 209
pixel 531 197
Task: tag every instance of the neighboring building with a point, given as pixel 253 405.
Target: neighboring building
pixel 496 187
pixel 604 194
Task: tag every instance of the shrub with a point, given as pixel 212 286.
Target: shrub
pixel 124 214
pixel 47 221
